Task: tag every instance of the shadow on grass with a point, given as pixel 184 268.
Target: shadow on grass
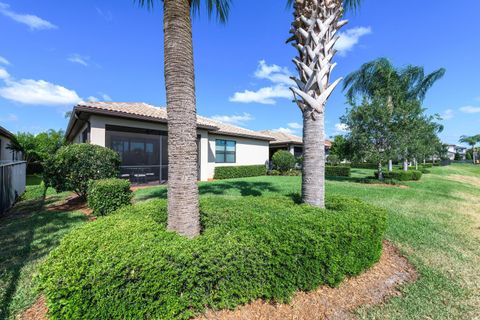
pixel 27 234
pixel 243 188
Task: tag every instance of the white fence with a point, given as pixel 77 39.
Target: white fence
pixel 13 179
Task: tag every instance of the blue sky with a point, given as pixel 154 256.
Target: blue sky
pixel 55 53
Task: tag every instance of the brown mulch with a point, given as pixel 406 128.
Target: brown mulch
pixel 73 203
pixel 36 312
pixel 370 288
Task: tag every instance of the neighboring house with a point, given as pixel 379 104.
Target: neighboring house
pixel 289 142
pixel 138 132
pixel 7 155
pixel 453 149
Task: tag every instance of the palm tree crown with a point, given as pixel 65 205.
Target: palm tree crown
pixel 220 7
pixel 470 140
pixel 347 4
pixel 381 77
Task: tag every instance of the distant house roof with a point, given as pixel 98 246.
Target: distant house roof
pixel 147 112
pixel 285 138
pixel 4 132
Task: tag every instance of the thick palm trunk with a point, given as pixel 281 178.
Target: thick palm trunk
pixel 473 155
pixel 380 171
pixel 314 32
pixel 183 211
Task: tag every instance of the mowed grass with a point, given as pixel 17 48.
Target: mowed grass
pixel 435 222
pixel 27 234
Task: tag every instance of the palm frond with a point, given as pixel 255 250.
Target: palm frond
pixel 348 5
pixel 428 82
pixel 221 8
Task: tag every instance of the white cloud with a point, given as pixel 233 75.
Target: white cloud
pixel 105 97
pixel 470 109
pixel 295 125
pixel 92 99
pixel 34 22
pixel 4 74
pixel 9 118
pixel 4 61
pixel 447 114
pixel 234 119
pixel 284 130
pixel 265 95
pixel 38 92
pixel 341 128
pixel 274 73
pixel 79 59
pixel 350 38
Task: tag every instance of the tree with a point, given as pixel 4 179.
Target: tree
pixel 314 34
pixel 472 142
pixel 283 161
pixel 37 148
pixel 183 207
pixel 341 148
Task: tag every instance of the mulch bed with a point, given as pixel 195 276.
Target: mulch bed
pixel 370 288
pixel 73 203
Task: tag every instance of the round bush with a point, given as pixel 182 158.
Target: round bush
pixel 73 166
pixel 108 195
pixel 283 161
pixel 127 266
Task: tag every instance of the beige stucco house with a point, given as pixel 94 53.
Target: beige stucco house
pixel 138 132
pixel 289 142
pixel 7 155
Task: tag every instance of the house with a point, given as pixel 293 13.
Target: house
pixel 453 149
pixel 289 142
pixel 138 132
pixel 7 155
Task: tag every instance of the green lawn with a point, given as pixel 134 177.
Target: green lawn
pixel 435 222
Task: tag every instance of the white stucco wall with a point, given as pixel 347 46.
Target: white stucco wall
pixel 248 152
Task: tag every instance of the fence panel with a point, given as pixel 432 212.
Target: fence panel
pixel 13 181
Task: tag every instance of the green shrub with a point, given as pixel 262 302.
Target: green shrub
pixel 108 195
pixel 232 172
pixel 400 175
pixel 127 266
pixel 427 165
pixel 337 171
pixel 283 161
pixel 73 166
pixel 364 165
pixel 274 173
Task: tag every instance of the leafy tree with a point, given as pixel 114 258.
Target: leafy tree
pixel 472 142
pixel 341 148
pixel 183 206
pixel 283 161
pixel 37 148
pixel 314 33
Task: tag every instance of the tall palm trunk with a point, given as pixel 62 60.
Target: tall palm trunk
pixel 314 29
pixel 183 211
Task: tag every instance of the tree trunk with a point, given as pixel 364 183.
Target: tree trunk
pixel 405 165
pixel 416 163
pixel 380 171
pixel 183 211
pixel 473 156
pixel 390 166
pixel 314 32
pixel 313 178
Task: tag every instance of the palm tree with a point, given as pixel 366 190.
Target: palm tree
pixel 314 34
pixel 472 142
pixel 183 207
pixel 380 78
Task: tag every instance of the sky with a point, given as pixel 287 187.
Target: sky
pixel 54 54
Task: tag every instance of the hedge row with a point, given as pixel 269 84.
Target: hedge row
pixel 337 171
pixel 232 172
pixel 127 266
pixel 400 175
pixel 364 165
pixel 108 195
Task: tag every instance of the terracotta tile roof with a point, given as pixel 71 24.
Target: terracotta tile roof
pixel 146 111
pixel 285 138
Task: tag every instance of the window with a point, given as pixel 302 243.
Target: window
pixel 225 151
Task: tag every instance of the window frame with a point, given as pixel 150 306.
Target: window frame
pixel 225 152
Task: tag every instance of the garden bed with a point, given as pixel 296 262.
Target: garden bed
pixel 127 265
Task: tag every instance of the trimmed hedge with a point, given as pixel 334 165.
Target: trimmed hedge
pixel 283 161
pixel 106 196
pixel 337 171
pixel 400 175
pixel 127 266
pixel 232 172
pixel 364 165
